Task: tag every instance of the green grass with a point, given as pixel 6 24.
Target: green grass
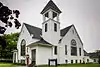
pixel 76 65
pixel 69 65
pixel 7 65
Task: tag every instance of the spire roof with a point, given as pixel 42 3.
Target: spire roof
pixel 50 5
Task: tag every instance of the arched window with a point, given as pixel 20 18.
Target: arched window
pixel 73 48
pixel 73 42
pixel 23 44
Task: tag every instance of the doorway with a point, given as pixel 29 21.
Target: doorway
pixel 33 53
pixel 14 57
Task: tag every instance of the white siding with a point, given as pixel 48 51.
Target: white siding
pixel 67 41
pixel 27 37
pixel 44 53
pixel 51 36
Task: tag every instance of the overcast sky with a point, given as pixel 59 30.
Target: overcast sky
pixel 84 14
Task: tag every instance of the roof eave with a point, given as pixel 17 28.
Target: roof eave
pixel 43 11
pixel 39 44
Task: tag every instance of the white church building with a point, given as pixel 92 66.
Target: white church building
pixel 39 46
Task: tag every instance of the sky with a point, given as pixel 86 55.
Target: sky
pixel 84 14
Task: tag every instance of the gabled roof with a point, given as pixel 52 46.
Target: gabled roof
pixel 64 31
pixel 42 41
pixel 34 30
pixel 85 53
pixel 51 5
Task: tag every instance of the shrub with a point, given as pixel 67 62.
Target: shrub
pixel 22 64
pixel 6 60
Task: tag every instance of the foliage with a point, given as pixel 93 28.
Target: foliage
pixel 97 50
pixel 11 41
pixel 6 60
pixel 6 17
pixel 98 54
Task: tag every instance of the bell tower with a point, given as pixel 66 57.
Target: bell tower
pixel 51 24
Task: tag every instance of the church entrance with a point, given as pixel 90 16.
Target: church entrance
pixel 33 53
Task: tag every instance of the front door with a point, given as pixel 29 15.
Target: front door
pixel 33 53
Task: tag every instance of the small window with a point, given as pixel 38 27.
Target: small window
pixel 73 42
pixel 73 31
pixel 55 50
pixel 94 60
pixel 76 61
pixel 66 61
pixel 72 61
pixel 80 51
pixel 55 27
pixel 65 49
pixel 80 61
pixel 87 60
pixel 46 27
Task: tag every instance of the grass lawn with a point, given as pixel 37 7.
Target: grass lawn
pixel 76 65
pixel 69 65
pixel 7 65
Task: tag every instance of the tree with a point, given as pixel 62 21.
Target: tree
pixel 98 54
pixel 11 41
pixel 6 17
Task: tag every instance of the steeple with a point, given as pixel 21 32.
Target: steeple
pixel 51 24
pixel 51 5
pixel 50 11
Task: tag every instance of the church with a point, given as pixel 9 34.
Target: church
pixel 39 46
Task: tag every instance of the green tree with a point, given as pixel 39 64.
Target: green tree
pixel 11 41
pixel 6 17
pixel 98 54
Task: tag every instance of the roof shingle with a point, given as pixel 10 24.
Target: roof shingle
pixel 51 5
pixel 85 53
pixel 34 30
pixel 42 41
pixel 64 31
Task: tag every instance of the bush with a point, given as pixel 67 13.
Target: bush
pixel 6 60
pixel 22 64
pixel 99 61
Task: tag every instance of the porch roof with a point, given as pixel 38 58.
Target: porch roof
pixel 41 42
